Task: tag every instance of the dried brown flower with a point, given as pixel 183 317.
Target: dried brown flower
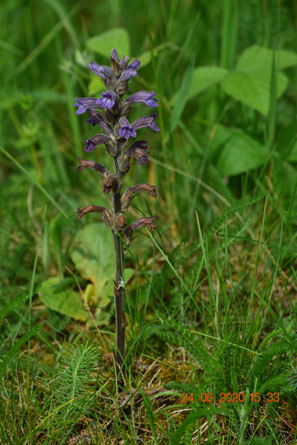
pixel 146 221
pixel 88 209
pixel 131 192
pixel 93 166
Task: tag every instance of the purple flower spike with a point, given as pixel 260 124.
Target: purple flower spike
pixel 110 112
pixel 107 100
pixel 134 65
pixel 126 130
pixel 84 103
pixel 144 97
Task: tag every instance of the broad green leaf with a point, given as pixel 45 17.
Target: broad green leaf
pixel 250 83
pixel 236 152
pixel 203 78
pixel 253 87
pixel 66 301
pixel 258 57
pixel 93 256
pixel 113 38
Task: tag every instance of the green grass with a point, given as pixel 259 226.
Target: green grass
pixel 211 299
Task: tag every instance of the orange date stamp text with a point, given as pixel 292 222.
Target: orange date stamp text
pixel 235 397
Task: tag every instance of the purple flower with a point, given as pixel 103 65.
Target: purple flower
pixel 134 65
pixel 92 143
pixel 124 62
pixel 126 130
pixel 139 150
pixel 114 55
pixel 102 71
pixel 146 121
pixel 107 100
pixel 130 71
pixel 84 103
pixel 127 74
pixel 115 62
pixel 97 119
pixel 143 96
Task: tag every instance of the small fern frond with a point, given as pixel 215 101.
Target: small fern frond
pixel 75 381
pixel 75 371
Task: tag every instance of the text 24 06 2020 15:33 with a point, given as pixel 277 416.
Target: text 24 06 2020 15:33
pixel 232 397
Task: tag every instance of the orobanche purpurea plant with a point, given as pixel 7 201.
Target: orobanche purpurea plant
pixel 109 112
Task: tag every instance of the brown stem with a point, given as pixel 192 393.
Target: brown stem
pixel 119 289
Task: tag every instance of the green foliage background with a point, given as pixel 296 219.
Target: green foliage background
pixel 217 280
